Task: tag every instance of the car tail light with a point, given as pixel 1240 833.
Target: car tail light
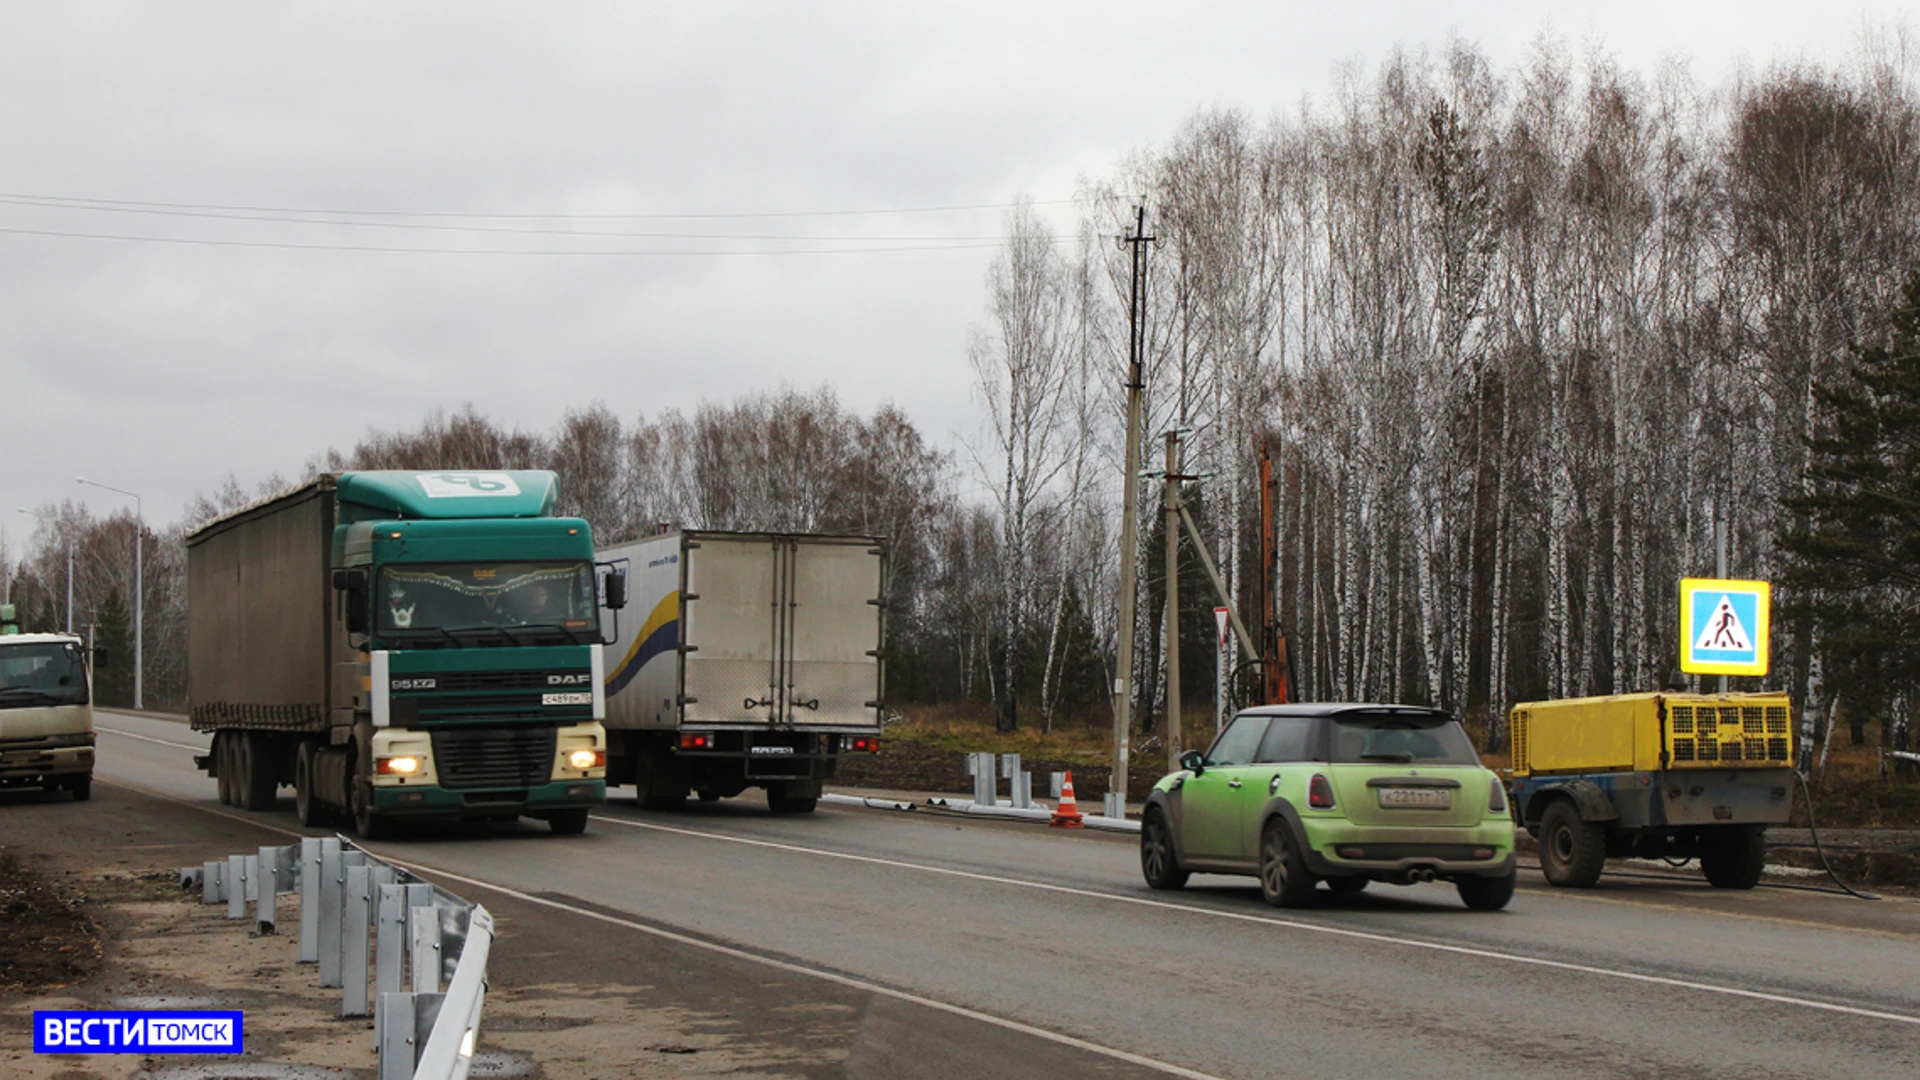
pixel 696 741
pixel 1496 797
pixel 1320 792
pixel 1350 852
pixel 1483 853
pixel 862 744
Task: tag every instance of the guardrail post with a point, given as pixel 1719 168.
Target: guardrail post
pixel 266 894
pixel 310 898
pixel 389 953
pixel 448 1051
pixel 332 885
pixel 236 886
pixel 980 764
pixel 425 949
pixel 1023 790
pixel 1056 784
pixel 210 875
pixel 353 939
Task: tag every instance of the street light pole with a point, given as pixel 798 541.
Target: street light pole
pixel 139 584
pixel 66 527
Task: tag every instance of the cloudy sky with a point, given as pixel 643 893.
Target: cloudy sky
pixel 461 136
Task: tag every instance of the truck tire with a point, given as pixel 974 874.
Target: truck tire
pixel 1159 863
pixel 1284 879
pixel 781 803
pixel 223 766
pixel 1487 893
pixel 305 806
pixel 1735 858
pixel 81 786
pixel 1572 851
pixel 369 825
pixel 259 781
pixel 652 795
pixel 568 822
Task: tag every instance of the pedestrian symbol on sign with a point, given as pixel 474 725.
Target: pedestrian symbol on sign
pixel 1724 632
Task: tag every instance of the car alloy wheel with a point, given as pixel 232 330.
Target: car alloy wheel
pixel 1158 864
pixel 1284 880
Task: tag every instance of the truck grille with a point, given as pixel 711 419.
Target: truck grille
pixel 493 759
pixel 1517 738
pixel 501 680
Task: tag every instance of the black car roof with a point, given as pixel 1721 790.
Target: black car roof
pixel 1336 708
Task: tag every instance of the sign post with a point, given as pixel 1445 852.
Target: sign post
pixel 1724 626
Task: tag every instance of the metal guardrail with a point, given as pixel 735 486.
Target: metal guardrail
pixel 421 938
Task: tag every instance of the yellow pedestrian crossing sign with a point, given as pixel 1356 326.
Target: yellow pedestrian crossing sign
pixel 1724 626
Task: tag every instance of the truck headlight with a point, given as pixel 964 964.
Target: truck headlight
pixel 396 766
pixel 586 759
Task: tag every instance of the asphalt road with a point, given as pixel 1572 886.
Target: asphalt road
pixel 1007 949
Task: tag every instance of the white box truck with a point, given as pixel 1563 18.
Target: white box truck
pixel 46 710
pixel 743 660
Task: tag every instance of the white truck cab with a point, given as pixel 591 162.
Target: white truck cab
pixel 46 712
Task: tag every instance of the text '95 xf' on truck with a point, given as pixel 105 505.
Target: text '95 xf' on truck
pixel 402 645
pixel 46 711
pixel 749 660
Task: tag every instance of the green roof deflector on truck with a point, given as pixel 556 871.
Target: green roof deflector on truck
pixel 368 496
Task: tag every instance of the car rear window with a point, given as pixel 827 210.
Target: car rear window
pixel 1386 738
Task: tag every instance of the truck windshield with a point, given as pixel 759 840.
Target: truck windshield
pixel 1389 738
pixel 42 673
pixel 492 603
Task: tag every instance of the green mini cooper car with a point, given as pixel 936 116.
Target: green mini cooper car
pixel 1346 794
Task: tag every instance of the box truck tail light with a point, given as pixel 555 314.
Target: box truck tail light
pixel 396 766
pixel 588 759
pixel 693 741
pixel 1320 792
pixel 1496 798
pixel 863 744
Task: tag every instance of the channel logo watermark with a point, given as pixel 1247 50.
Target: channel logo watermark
pixel 143 1032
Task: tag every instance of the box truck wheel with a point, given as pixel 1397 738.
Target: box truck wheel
pixel 1735 858
pixel 797 797
pixel 223 766
pixel 259 778
pixel 1572 851
pixel 81 786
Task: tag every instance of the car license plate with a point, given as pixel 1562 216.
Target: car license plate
pixel 566 699
pixel 1418 798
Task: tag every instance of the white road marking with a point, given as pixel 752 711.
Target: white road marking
pixel 147 738
pixel 725 950
pixel 1293 924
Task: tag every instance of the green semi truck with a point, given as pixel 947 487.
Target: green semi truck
pixel 402 645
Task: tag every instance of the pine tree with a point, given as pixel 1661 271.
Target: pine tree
pixel 1855 567
pixel 113 681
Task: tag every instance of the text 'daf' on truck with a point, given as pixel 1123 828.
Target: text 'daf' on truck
pixel 401 645
pixel 747 660
pixel 1667 775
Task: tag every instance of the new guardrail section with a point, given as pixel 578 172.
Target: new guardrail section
pixel 421 937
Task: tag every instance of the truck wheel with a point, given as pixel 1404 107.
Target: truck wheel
pixel 568 822
pixel 1572 851
pixel 651 794
pixel 1284 880
pixel 305 806
pixel 1159 863
pixel 790 804
pixel 259 780
pixel 1487 893
pixel 223 766
pixel 1736 857
pixel 81 786
pixel 369 825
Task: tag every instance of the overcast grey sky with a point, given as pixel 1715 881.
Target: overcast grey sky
pixel 163 367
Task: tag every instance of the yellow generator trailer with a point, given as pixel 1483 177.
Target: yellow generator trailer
pixel 1657 775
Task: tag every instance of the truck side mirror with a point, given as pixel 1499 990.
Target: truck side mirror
pixel 616 591
pixel 354 584
pixel 100 657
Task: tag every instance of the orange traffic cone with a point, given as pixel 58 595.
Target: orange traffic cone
pixel 1067 814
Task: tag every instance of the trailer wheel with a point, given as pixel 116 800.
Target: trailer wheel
pixel 223 766
pixel 1735 858
pixel 305 806
pixel 568 822
pixel 790 804
pixel 1572 851
pixel 259 780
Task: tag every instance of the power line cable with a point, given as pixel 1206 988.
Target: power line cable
pixel 291 246
pixel 79 201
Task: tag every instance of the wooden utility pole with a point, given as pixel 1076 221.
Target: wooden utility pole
pixel 1136 239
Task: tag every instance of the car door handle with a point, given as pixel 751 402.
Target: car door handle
pixel 1233 783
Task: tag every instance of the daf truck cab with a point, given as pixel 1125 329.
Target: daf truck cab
pixel 46 713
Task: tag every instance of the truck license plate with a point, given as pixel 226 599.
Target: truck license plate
pixel 567 699
pixel 1421 798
